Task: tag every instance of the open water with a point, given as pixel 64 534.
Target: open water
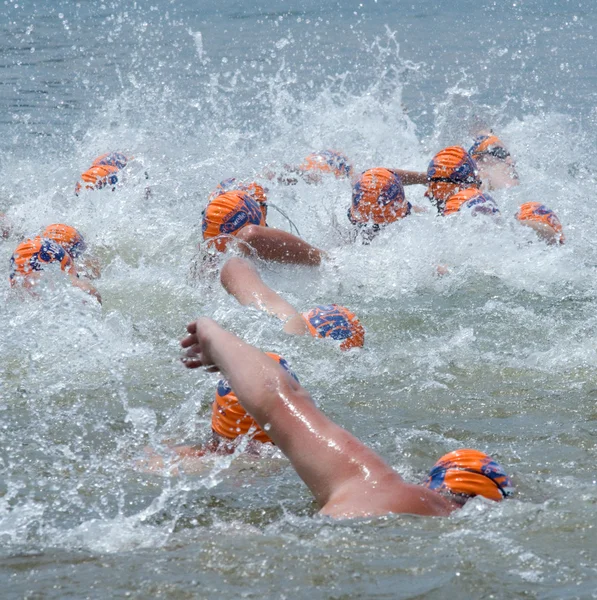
pixel 499 355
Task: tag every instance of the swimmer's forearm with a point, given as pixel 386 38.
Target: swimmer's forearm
pixel 411 177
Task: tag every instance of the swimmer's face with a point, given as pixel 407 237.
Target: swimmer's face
pixel 497 173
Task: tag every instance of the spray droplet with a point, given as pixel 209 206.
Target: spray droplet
pixel 267 426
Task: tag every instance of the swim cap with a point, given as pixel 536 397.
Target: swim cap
pixel 67 237
pixel 103 172
pixel 327 161
pixel 378 198
pixel 112 159
pixel 450 169
pixel 227 214
pixel 470 473
pixel 98 177
pixel 539 213
pixel 34 254
pixel 473 199
pixel 253 189
pixel 488 144
pixel 229 419
pixel 335 322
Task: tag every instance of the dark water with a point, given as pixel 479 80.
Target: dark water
pixel 499 355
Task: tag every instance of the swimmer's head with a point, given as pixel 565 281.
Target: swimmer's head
pixel 327 161
pixel 67 237
pixel 34 255
pixel 253 189
pixel 543 220
pixel 473 200
pixel 335 322
pixel 488 145
pixel 112 159
pixel 226 215
pixel 229 419
pixel 98 177
pixel 494 161
pixel 451 170
pixel 467 473
pixel 378 198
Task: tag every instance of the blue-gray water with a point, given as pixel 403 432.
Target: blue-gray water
pixel 499 355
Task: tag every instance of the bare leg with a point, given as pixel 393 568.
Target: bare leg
pixel 240 279
pixel 347 478
pixel 280 246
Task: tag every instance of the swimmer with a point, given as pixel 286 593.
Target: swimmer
pixel 496 166
pixel 33 256
pixel 450 171
pixel 543 220
pixel 377 200
pixel 314 168
pixel 472 200
pixel 240 279
pixel 231 428
pixel 347 478
pixel 237 215
pixel 103 173
pixel 74 243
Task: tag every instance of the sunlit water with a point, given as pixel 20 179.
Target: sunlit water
pixel 498 355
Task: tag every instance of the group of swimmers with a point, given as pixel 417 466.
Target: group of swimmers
pixel 260 398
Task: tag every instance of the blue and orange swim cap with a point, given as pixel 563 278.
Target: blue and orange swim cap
pixel 488 145
pixel 474 200
pixel 103 172
pixel 471 473
pixel 335 322
pixel 67 237
pixel 33 255
pixel 229 419
pixel 535 212
pixel 253 189
pixel 227 214
pixel 327 161
pixel 449 171
pixel 378 198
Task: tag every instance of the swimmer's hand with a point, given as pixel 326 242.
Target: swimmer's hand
pixel 198 344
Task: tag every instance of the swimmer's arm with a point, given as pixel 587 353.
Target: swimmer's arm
pixel 411 177
pixel 346 477
pixel 86 287
pixel 280 246
pixel 240 279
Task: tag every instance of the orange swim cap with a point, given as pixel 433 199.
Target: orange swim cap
pixel 327 161
pixel 67 237
pixel 378 198
pixel 488 144
pixel 227 214
pixel 335 322
pixel 229 419
pixel 253 189
pixel 103 172
pixel 112 159
pixel 473 199
pixel 449 171
pixel 470 473
pixel 539 213
pixel 34 254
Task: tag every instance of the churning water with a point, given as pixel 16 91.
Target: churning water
pixel 499 355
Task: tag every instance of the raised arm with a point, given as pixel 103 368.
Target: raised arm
pixel 347 478
pixel 240 279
